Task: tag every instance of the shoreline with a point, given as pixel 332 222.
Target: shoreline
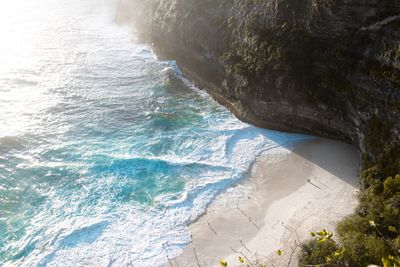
pixel 285 197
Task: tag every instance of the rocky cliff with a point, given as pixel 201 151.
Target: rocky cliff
pixel 325 67
pixel 316 66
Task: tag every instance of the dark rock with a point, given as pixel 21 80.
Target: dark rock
pixel 325 67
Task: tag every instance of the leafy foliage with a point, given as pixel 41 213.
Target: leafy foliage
pixel 314 252
pixel 371 235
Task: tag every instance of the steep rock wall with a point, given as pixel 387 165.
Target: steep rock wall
pixel 326 67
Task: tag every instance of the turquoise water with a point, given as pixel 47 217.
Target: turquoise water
pixel 106 153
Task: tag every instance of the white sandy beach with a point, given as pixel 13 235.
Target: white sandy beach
pixel 286 197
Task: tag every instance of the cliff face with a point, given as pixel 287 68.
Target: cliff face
pixel 326 67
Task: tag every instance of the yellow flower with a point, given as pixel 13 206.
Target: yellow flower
pixel 241 259
pixel 279 252
pixel 390 261
pixel 322 233
pixel 223 263
pixel 372 223
pixel 312 234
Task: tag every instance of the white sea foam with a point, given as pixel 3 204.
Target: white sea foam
pixel 149 236
pixel 120 152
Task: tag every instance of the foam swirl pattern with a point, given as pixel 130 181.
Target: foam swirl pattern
pixel 106 153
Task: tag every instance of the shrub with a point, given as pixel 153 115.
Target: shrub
pixel 372 234
pixel 315 253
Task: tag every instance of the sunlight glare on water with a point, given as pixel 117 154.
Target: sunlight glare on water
pixel 106 154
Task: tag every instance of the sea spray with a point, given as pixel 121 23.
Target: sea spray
pixel 106 153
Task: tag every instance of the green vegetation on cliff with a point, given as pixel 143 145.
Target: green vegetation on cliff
pixel 372 234
pixel 324 67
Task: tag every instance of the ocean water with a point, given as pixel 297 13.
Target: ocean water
pixel 106 153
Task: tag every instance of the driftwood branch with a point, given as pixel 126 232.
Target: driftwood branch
pixel 248 217
pixel 212 229
pixel 197 259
